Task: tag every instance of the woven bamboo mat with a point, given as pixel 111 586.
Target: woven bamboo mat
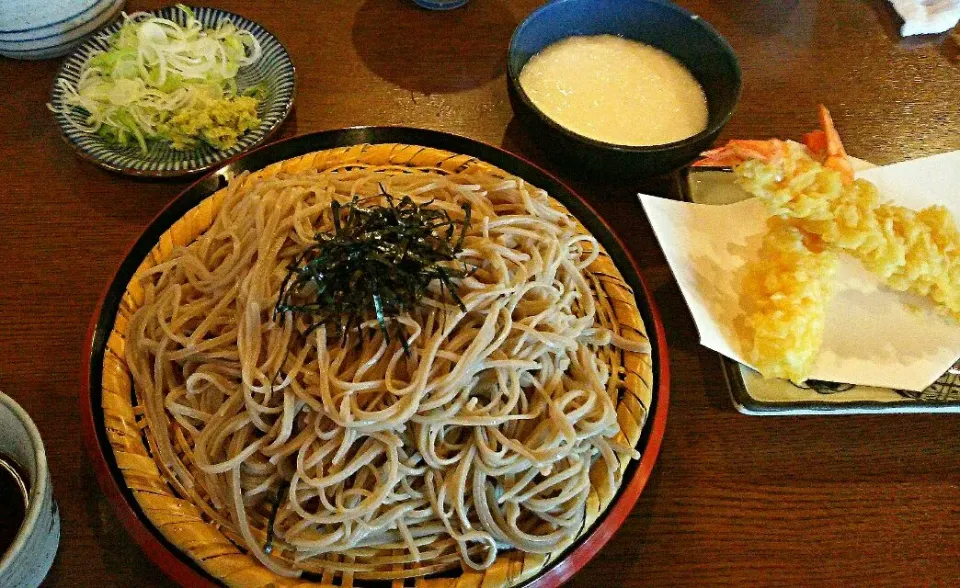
pixel 183 524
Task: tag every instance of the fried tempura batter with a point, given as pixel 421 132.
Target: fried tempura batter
pixel 785 294
pixel 816 203
pixel 912 251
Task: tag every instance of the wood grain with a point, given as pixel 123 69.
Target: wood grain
pixel 734 500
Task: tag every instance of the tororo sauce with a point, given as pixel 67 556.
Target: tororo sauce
pixel 616 90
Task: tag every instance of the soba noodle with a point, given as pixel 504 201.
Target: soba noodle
pixel 481 438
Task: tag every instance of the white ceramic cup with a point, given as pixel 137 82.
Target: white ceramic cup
pixel 27 561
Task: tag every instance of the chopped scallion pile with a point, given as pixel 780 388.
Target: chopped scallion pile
pixel 163 81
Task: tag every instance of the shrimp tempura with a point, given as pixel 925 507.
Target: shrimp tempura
pixel 784 293
pixel 819 209
pixel 913 251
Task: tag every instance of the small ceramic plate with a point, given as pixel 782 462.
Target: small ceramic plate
pixel 41 29
pixel 754 395
pixel 274 69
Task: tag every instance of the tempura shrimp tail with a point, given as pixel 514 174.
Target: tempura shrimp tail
pixel 822 146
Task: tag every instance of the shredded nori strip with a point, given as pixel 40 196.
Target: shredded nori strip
pixel 281 493
pixel 377 262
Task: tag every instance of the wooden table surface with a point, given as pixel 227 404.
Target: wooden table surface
pixel 737 500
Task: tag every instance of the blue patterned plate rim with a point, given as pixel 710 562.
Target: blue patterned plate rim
pixel 113 6
pixel 275 67
pixel 60 20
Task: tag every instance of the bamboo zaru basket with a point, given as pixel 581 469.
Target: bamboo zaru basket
pixel 216 550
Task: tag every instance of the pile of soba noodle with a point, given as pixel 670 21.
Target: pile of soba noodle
pixel 481 438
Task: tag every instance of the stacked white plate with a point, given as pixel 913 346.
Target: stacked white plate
pixel 40 29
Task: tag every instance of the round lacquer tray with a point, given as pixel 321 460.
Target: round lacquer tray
pixel 173 532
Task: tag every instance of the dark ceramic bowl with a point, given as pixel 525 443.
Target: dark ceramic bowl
pixel 659 23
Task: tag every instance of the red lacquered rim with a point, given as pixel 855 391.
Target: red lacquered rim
pixel 180 567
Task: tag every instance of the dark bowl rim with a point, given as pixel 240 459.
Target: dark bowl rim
pixel 179 566
pixel 162 174
pixel 711 130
